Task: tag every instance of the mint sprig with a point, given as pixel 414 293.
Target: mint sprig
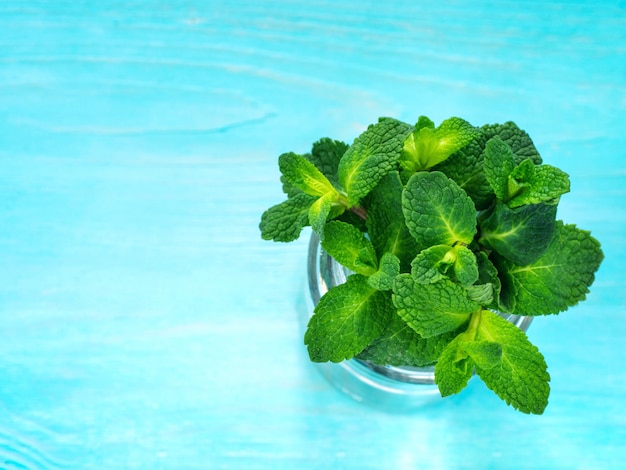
pixel 440 228
pixel 503 358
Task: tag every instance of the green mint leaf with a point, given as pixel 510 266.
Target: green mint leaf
pixel 325 155
pixel 372 155
pixel 454 367
pixel 465 266
pixel 498 165
pixel 348 245
pixel 289 189
pixel 385 221
pixel 517 139
pixel 530 184
pixel 519 179
pixel 432 309
pixel 488 275
pixel 520 377
pixel 400 345
pixel 485 354
pixel 507 299
pixel 521 234
pixel 387 272
pixel 481 293
pixel 424 122
pixel 558 279
pixel 304 175
pixel 346 320
pixel 487 272
pixel 465 167
pixel 284 222
pixel 326 207
pixel 426 146
pixel 431 265
pixel 441 261
pixel 437 211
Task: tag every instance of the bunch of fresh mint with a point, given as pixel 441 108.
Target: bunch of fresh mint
pixel 442 227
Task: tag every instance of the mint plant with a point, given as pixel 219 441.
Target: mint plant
pixel 442 228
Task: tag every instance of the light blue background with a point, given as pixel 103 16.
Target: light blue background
pixel 144 323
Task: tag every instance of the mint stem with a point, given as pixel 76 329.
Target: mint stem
pixel 360 211
pixel 473 325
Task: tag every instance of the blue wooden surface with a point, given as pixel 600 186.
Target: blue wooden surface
pixel 144 323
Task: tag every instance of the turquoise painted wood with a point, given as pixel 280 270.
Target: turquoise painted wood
pixel 146 325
